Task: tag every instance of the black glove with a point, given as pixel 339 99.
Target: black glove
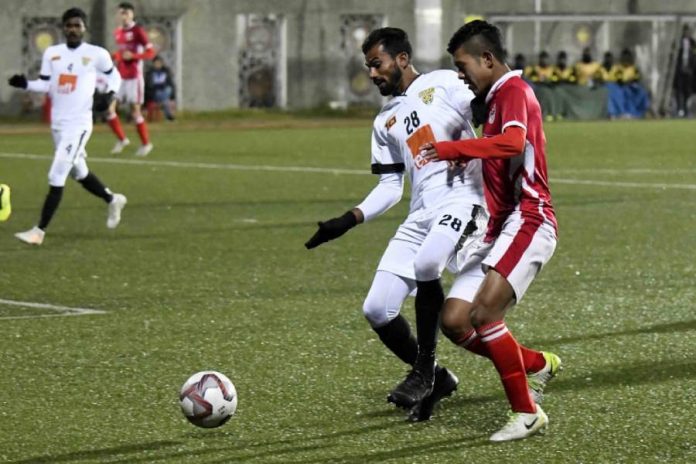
pixel 18 80
pixel 331 229
pixel 102 101
pixel 479 110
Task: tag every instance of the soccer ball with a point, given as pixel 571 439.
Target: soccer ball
pixel 208 399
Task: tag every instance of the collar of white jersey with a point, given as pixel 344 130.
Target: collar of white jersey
pixel 503 79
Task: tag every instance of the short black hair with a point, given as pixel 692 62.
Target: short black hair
pixel 478 36
pixel 74 13
pixel 126 6
pixel 393 39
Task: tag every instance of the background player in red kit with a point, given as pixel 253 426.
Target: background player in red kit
pixel 133 46
pixel 522 229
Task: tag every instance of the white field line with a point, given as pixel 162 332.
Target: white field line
pixel 63 311
pixel 308 169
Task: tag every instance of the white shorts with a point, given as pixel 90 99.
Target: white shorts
pixel 450 219
pixel 70 155
pixel 518 254
pixel 132 91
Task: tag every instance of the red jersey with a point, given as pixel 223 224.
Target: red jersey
pixel 521 182
pixel 135 40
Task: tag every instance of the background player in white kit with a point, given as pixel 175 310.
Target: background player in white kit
pixel 68 73
pixel 425 107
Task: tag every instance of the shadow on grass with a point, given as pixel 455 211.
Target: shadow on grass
pixel 103 453
pixel 240 451
pixel 672 327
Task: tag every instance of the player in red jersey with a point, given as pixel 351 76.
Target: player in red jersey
pixel 133 47
pixel 522 229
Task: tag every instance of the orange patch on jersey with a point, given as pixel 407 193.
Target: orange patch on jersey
pixel 423 135
pixel 67 83
pixel 390 122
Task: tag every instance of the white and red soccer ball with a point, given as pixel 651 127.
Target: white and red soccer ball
pixel 208 399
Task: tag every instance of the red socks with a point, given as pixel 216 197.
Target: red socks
pixel 505 353
pixel 142 130
pixel 533 360
pixel 115 125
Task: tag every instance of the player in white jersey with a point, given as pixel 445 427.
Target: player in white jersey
pixel 445 202
pixel 68 74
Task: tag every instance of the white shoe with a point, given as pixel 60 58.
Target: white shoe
pixel 118 202
pixel 522 425
pixel 144 150
pixel 537 381
pixel 120 145
pixel 33 236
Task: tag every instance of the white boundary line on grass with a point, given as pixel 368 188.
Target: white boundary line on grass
pixel 308 169
pixel 64 311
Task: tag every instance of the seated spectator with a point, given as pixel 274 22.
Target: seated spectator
pixel 626 97
pixel 586 69
pixel 636 100
pixel 608 71
pixel 542 72
pixel 562 73
pixel 159 88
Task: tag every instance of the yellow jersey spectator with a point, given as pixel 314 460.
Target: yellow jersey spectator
pixel 542 73
pixel 586 69
pixel 608 71
pixel 627 70
pixel 562 73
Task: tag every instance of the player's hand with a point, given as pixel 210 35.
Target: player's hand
pixel 428 152
pixel 332 229
pixel 102 101
pixel 127 55
pixel 18 80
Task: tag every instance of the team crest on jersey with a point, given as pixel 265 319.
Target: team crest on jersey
pixel 427 95
pixel 390 122
pixel 86 60
pixel 491 114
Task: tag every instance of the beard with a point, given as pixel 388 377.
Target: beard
pixel 390 86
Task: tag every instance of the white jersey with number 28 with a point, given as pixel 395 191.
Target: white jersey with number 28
pixel 435 107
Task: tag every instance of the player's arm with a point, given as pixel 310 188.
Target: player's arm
pixel 105 65
pixel 506 145
pixel 148 52
pixel 385 195
pixel 510 143
pixel 40 85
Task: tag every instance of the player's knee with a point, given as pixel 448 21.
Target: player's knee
pixel 455 318
pixel 427 267
pixel 482 314
pixel 56 179
pixel 378 312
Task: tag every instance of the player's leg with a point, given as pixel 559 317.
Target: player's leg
pixel 115 201
pixel 431 259
pixel 517 256
pixel 114 122
pixel 68 144
pixel 382 309
pixel 455 320
pixel 136 101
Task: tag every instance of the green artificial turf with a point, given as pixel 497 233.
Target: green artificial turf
pixel 208 271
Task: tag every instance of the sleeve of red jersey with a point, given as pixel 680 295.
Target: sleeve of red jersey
pixel 506 145
pixel 512 105
pixel 148 50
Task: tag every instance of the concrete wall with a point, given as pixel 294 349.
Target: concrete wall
pixel 209 51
